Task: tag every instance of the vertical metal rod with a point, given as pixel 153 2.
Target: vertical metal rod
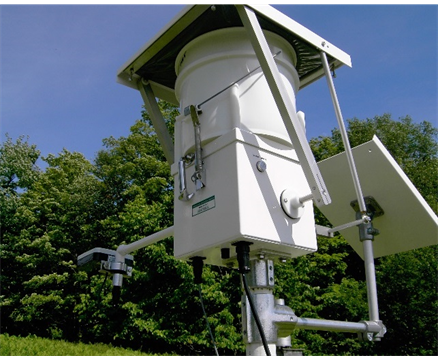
pixel 198 176
pixel 344 134
pixel 370 273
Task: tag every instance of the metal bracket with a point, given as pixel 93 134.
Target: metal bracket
pixel 199 176
pixel 116 267
pixel 184 195
pixel 375 331
pixel 374 210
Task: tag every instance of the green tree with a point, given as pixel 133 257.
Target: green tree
pixel 133 200
pixel 18 169
pixel 50 217
pixel 18 173
pixel 41 241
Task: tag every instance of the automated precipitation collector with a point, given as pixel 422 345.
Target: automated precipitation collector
pixel 244 172
pixel 240 159
pixel 229 188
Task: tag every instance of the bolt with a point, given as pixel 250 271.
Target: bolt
pixel 285 200
pixel 373 231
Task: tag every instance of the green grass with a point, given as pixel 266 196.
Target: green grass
pixel 35 346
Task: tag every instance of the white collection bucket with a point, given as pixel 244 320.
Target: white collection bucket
pixel 213 61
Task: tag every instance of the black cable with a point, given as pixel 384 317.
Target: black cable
pixel 206 320
pixel 116 293
pixel 198 265
pixel 243 258
pixel 256 315
pixel 102 285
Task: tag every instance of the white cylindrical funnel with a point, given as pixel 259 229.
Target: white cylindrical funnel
pixel 213 61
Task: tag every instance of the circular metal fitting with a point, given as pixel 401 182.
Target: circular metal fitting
pixel 290 202
pixel 261 166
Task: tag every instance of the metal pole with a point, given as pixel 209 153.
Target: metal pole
pixel 344 134
pixel 260 281
pixel 279 321
pixel 330 325
pixel 366 234
pixel 370 273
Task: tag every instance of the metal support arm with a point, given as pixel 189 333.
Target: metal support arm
pixel 157 119
pixel 123 250
pixel 278 320
pixel 285 106
pixel 344 134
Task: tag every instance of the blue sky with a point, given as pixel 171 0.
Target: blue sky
pixel 59 65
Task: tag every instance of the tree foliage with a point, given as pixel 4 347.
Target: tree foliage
pixel 41 238
pixel 50 216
